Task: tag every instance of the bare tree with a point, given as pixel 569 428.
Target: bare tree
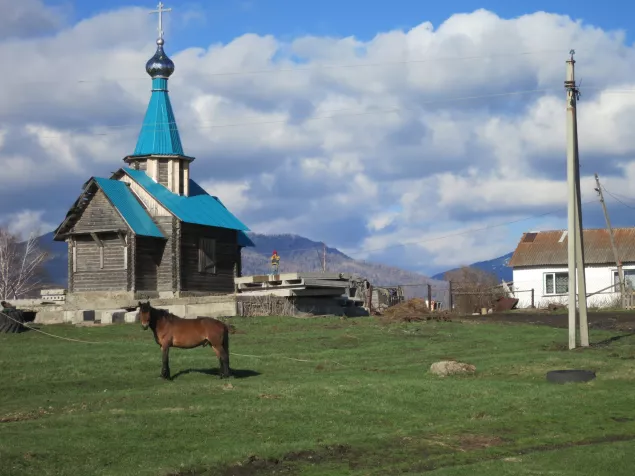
pixel 20 265
pixel 474 288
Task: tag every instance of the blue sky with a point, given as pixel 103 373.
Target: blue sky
pixel 357 182
pixel 223 20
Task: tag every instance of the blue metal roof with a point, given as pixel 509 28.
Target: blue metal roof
pixel 244 240
pixel 199 208
pixel 159 134
pixel 130 209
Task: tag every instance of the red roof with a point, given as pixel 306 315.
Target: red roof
pixel 549 248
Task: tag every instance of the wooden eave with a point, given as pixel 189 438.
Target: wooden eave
pixel 74 214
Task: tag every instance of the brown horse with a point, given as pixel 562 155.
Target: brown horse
pixel 173 331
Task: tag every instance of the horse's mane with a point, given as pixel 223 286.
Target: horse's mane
pixel 163 313
pixel 156 313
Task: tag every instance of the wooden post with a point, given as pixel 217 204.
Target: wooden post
pixel 74 243
pixel 450 297
pixel 101 249
pixel 133 262
pixel 122 239
pixel 430 297
pixel 533 304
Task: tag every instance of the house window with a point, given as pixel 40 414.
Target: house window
pixel 207 255
pixel 629 277
pixel 556 283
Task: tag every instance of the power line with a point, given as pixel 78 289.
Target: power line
pixel 451 235
pixel 317 67
pixel 363 113
pixel 624 197
pixel 612 195
pixel 314 118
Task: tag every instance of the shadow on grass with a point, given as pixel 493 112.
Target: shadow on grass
pixel 612 339
pixel 215 372
pixel 563 346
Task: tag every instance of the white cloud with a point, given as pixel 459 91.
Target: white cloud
pixel 26 223
pixel 28 18
pixel 232 194
pixel 366 155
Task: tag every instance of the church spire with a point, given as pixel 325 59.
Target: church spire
pixel 159 133
pixel 159 150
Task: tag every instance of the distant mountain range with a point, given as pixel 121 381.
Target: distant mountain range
pixel 497 266
pixel 297 253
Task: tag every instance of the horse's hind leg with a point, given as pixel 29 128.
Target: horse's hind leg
pixel 223 361
pixel 165 370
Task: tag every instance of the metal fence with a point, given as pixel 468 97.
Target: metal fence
pixel 382 297
pixel 451 296
pixel 454 296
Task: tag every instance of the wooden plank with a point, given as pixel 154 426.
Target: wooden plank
pixel 152 169
pixel 99 231
pixel 176 255
pixel 180 186
pixel 164 261
pixel 171 175
pixel 100 280
pixel 149 254
pixel 99 215
pixel 97 240
pixel 124 243
pixel 162 171
pixel 74 246
pixel 99 259
pixel 101 249
pixel 154 208
pixel 132 274
pixel 222 280
pixel 186 178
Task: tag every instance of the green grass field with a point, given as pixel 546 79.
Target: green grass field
pixel 360 401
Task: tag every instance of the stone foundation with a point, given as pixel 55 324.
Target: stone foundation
pixel 112 308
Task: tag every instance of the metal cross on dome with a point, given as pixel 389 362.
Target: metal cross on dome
pixel 160 11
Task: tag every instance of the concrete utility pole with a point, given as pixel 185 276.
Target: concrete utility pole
pixel 618 262
pixel 324 257
pixel 574 236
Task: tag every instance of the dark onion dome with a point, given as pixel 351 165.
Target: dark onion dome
pixel 160 66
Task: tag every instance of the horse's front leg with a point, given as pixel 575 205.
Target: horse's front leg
pixel 165 371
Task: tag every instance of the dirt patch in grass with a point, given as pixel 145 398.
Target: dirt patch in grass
pixel 255 466
pixel 373 369
pixel 478 442
pixel 512 454
pixel 357 458
pixel 24 416
pixel 267 396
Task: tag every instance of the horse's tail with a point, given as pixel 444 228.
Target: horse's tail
pixel 226 342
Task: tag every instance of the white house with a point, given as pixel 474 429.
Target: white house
pixel 540 264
